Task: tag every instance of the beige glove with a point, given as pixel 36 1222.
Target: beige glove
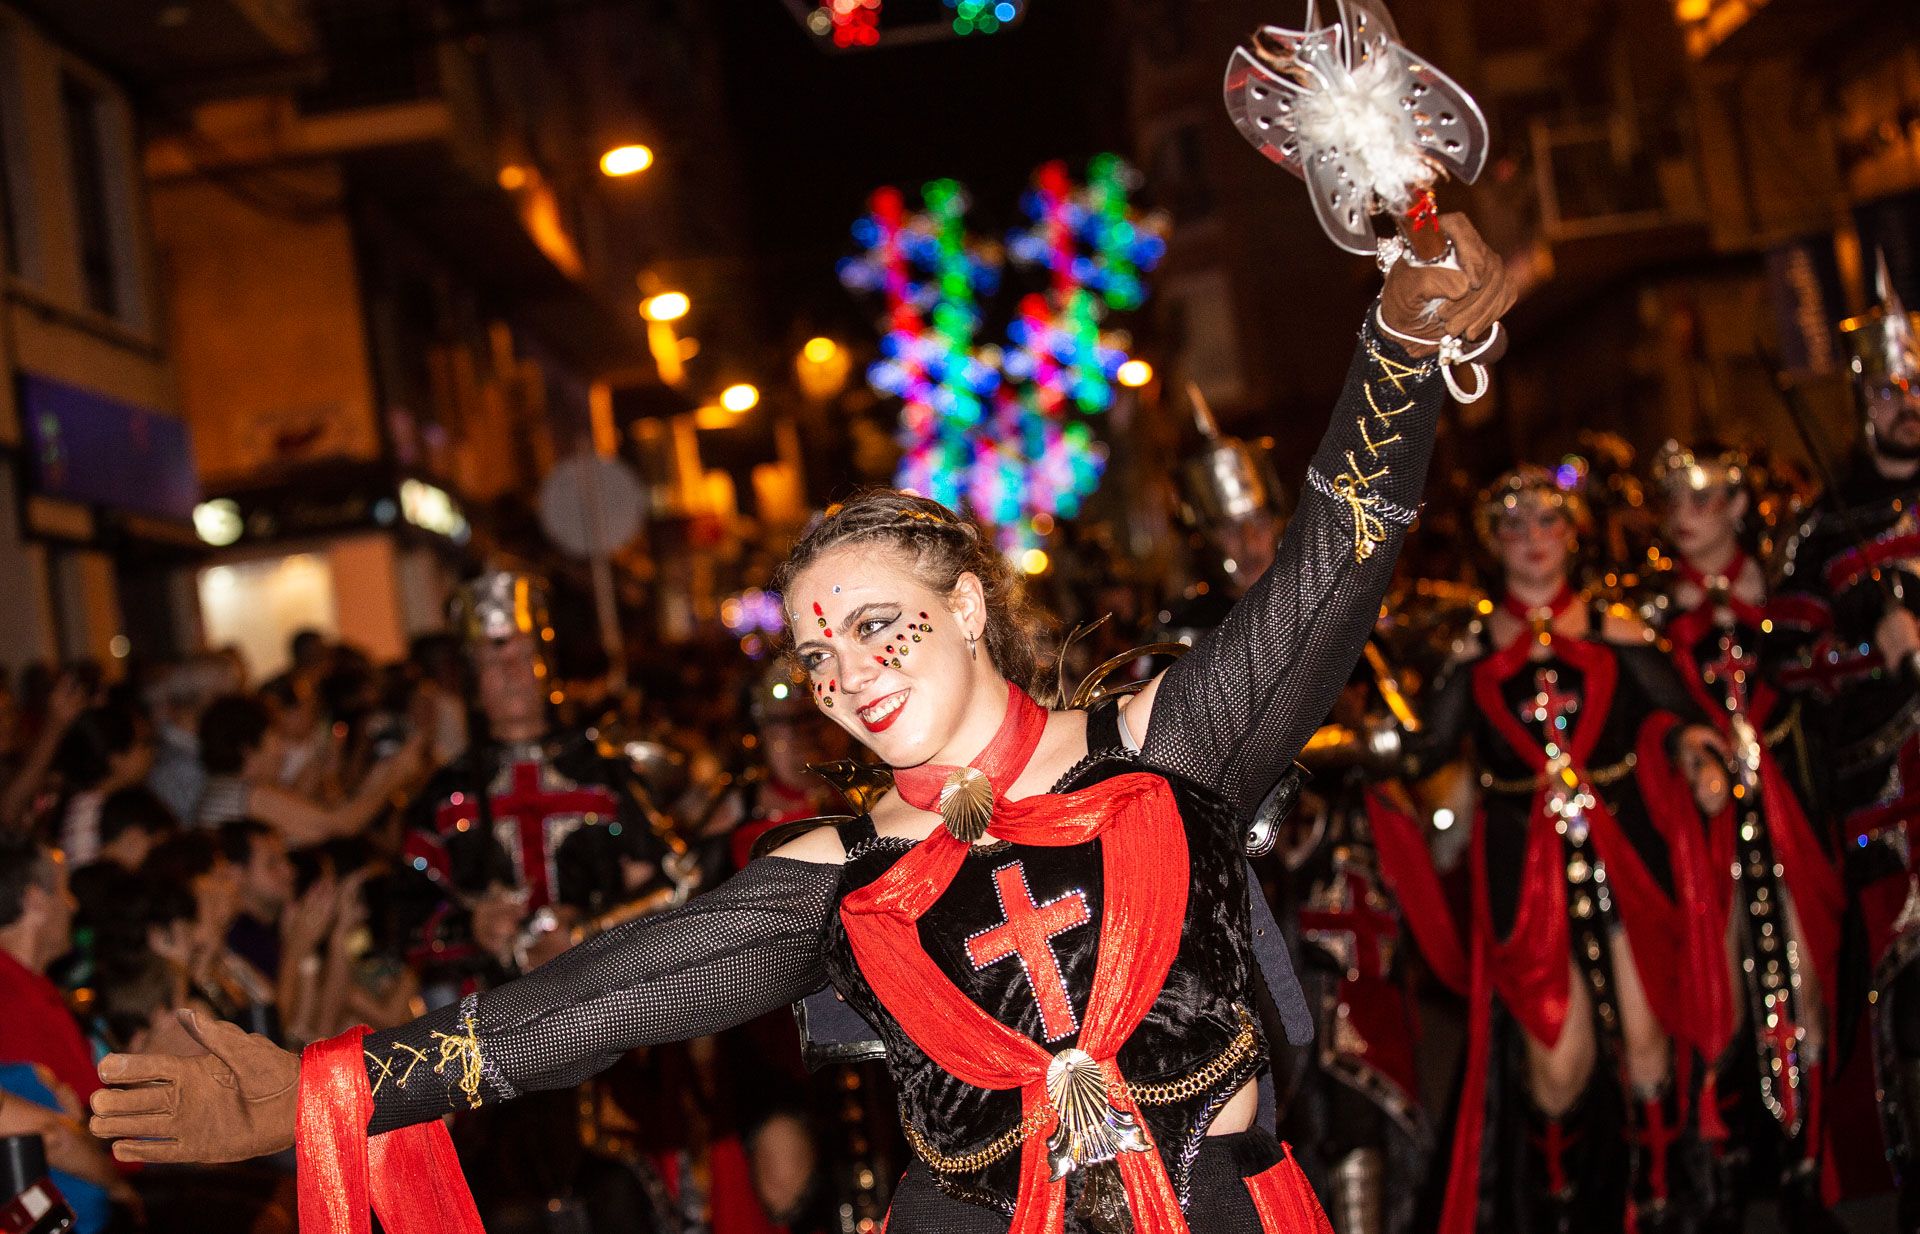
pixel 236 1102
pixel 1427 302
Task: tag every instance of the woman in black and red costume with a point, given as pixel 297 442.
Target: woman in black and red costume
pixel 1573 717
pixel 1046 921
pixel 1775 890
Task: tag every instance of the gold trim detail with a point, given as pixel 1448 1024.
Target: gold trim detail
pixel 463 1048
pixel 1599 777
pixel 1170 1092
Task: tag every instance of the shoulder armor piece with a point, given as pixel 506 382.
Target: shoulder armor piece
pixel 861 784
pixel 1094 688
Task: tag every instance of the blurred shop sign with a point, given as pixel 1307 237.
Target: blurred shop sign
pixel 90 448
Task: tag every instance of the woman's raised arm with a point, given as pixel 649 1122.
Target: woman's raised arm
pixel 1236 710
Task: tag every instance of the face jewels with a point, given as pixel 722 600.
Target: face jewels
pixel 820 618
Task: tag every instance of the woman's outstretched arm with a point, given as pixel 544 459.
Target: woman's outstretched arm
pixel 749 946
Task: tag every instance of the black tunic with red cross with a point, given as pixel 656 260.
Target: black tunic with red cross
pixel 1018 928
pixel 553 819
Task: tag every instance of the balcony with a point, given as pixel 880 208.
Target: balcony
pixel 179 44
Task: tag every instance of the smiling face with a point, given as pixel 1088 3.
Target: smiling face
pixel 1703 524
pixel 887 656
pixel 1534 542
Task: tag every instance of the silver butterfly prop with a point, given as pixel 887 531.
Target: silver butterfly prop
pixel 1346 107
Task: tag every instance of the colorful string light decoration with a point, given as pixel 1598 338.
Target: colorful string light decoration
pixel 858 25
pixel 994 428
pixel 984 16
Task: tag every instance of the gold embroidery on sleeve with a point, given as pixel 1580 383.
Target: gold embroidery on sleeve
pixel 383 1071
pixel 1393 371
pixel 463 1048
pixel 1355 485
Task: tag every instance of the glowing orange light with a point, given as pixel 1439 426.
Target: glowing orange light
pixel 626 160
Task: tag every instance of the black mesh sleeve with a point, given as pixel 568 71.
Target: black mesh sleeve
pixel 749 946
pixel 1235 711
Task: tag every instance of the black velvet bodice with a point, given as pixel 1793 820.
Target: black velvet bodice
pixel 1194 1020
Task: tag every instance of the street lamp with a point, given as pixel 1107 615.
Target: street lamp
pixel 739 397
pixel 820 350
pixel 626 160
pixel 667 306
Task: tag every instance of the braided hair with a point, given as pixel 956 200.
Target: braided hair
pixel 939 546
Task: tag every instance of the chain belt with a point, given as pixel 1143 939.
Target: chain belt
pixel 1599 777
pixel 1170 1092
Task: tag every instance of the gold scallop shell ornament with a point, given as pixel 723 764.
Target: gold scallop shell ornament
pixel 966 804
pixel 1091 1130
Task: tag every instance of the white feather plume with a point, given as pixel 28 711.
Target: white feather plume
pixel 1359 115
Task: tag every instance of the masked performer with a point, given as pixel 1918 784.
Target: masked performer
pixel 531 832
pixel 1783 899
pixel 1570 710
pixel 1047 920
pixel 1854 567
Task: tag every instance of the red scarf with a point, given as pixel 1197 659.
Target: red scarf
pixel 1707 583
pixel 1144 862
pixel 1530 614
pixel 411 1176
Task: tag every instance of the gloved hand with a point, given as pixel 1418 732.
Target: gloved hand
pixel 1426 302
pixel 236 1102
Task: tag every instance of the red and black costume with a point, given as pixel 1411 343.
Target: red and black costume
pixel 1576 839
pixel 554 819
pixel 1367 888
pixel 1765 1091
pixel 1093 966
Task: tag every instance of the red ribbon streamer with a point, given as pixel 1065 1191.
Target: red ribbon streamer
pixel 411 1176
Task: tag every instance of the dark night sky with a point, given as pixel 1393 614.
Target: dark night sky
pixel 817 132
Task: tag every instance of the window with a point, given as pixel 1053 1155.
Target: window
pixel 82 108
pixel 17 205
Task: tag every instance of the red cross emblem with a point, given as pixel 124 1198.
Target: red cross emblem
pixel 1730 671
pixel 1028 933
pixel 1550 704
pixel 534 810
pixel 1348 924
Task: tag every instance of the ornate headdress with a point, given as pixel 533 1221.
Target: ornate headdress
pixel 1883 344
pixel 1678 466
pixel 500 605
pixel 1525 483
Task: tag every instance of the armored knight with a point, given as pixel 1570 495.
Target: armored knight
pixel 1762 1106
pixel 1854 569
pixel 533 831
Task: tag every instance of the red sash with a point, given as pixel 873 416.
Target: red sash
pixel 1144 863
pixel 411 1175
